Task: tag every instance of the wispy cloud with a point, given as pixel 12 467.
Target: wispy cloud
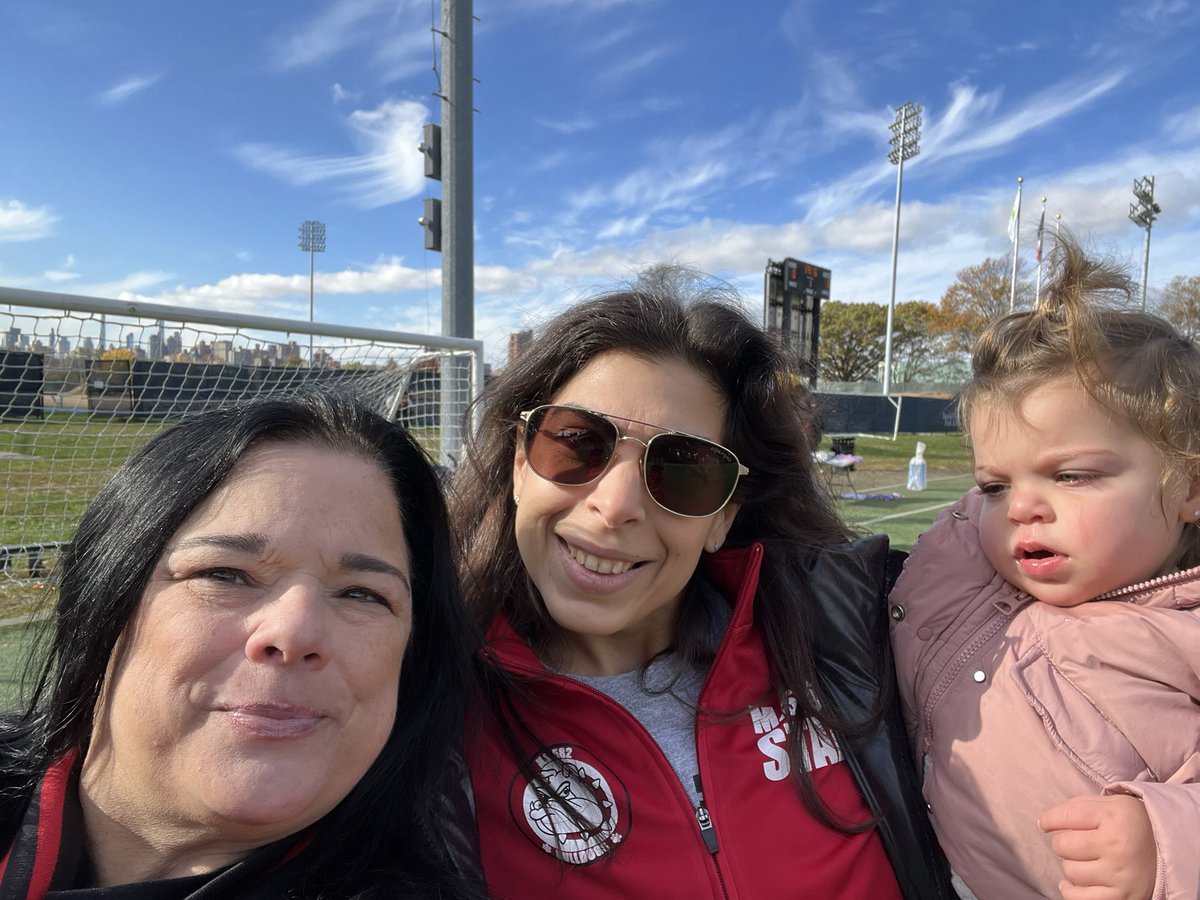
pixel 577 6
pixel 341 25
pixel 21 222
pixel 340 94
pixel 973 124
pixel 130 87
pixel 388 170
pixel 638 62
pixel 573 125
pixel 395 38
pixel 130 285
pixel 65 273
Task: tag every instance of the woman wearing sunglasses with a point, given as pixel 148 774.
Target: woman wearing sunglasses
pixel 692 702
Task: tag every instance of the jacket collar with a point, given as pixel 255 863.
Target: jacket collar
pixel 734 570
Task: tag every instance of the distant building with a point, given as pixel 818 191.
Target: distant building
pixel 518 343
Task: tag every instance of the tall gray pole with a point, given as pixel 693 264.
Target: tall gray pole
pixel 458 220
pixel 891 309
pixel 905 141
pixel 458 197
pixel 1146 262
pixel 1143 213
pixel 1016 239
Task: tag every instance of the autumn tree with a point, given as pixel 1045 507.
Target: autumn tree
pixel 917 352
pixel 980 294
pixel 1179 303
pixel 851 340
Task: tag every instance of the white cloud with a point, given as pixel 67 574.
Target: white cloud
pixel 573 125
pixel 130 87
pixel 65 273
pixel 633 64
pixel 1183 126
pixel 341 25
pixel 124 288
pixel 340 94
pixel 970 126
pixel 21 222
pixel 389 169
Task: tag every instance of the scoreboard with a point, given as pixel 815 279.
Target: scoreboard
pixel 792 296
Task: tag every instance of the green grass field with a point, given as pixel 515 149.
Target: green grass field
pixel 54 467
pixel 14 640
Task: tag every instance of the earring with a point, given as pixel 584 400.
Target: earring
pixel 516 499
pixel 716 545
pixel 1196 513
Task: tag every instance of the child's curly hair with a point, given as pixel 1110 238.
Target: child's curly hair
pixel 1133 363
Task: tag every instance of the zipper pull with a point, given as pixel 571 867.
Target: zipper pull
pixel 706 825
pixel 706 828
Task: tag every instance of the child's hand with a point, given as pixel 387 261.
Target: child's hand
pixel 1106 846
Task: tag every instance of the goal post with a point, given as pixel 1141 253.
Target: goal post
pixel 85 381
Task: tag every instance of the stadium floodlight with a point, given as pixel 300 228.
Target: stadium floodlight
pixel 1142 214
pixel 906 143
pixel 312 241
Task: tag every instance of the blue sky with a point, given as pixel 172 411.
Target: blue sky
pixel 169 151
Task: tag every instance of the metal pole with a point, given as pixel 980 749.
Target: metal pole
pixel 458 223
pixel 1037 293
pixel 311 254
pixel 458 254
pixel 1143 213
pixel 891 310
pixel 1012 291
pixel 905 139
pixel 1146 262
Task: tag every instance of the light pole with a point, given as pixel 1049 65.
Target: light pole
pixel 312 241
pixel 1142 214
pixel 905 141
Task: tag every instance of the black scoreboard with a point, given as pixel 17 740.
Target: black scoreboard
pixel 792 295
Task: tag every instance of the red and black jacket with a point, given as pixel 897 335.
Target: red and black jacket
pixel 634 831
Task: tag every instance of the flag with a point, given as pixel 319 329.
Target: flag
pixel 1014 216
pixel 1037 253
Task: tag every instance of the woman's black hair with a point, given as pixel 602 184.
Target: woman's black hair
pixel 389 836
pixel 783 503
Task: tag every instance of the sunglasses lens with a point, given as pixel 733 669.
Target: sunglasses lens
pixel 568 446
pixel 689 476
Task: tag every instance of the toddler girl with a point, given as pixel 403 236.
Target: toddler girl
pixel 1047 627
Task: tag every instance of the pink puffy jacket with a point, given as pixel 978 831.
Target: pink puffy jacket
pixel 1015 706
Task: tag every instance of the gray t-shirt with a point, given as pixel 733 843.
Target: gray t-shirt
pixel 664 699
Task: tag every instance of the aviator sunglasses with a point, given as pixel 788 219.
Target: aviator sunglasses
pixel 684 474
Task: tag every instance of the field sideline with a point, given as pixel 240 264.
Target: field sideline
pixel 882 472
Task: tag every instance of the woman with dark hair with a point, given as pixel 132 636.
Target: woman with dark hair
pixel 257 675
pixel 698 698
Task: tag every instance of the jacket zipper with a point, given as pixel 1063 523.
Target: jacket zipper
pixel 708 831
pixel 709 836
pixel 950 673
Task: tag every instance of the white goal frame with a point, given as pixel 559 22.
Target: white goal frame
pixel 84 381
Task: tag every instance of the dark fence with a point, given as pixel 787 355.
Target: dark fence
pixel 21 377
pixel 872 414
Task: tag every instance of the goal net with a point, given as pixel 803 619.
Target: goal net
pixel 84 382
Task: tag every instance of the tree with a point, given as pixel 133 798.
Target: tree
pixel 851 340
pixel 1179 304
pixel 979 295
pixel 916 351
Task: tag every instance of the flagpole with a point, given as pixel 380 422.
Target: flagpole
pixel 1037 294
pixel 1016 239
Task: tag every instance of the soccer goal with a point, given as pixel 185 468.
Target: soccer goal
pixel 85 381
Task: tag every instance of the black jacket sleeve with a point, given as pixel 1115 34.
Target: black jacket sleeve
pixel 854 665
